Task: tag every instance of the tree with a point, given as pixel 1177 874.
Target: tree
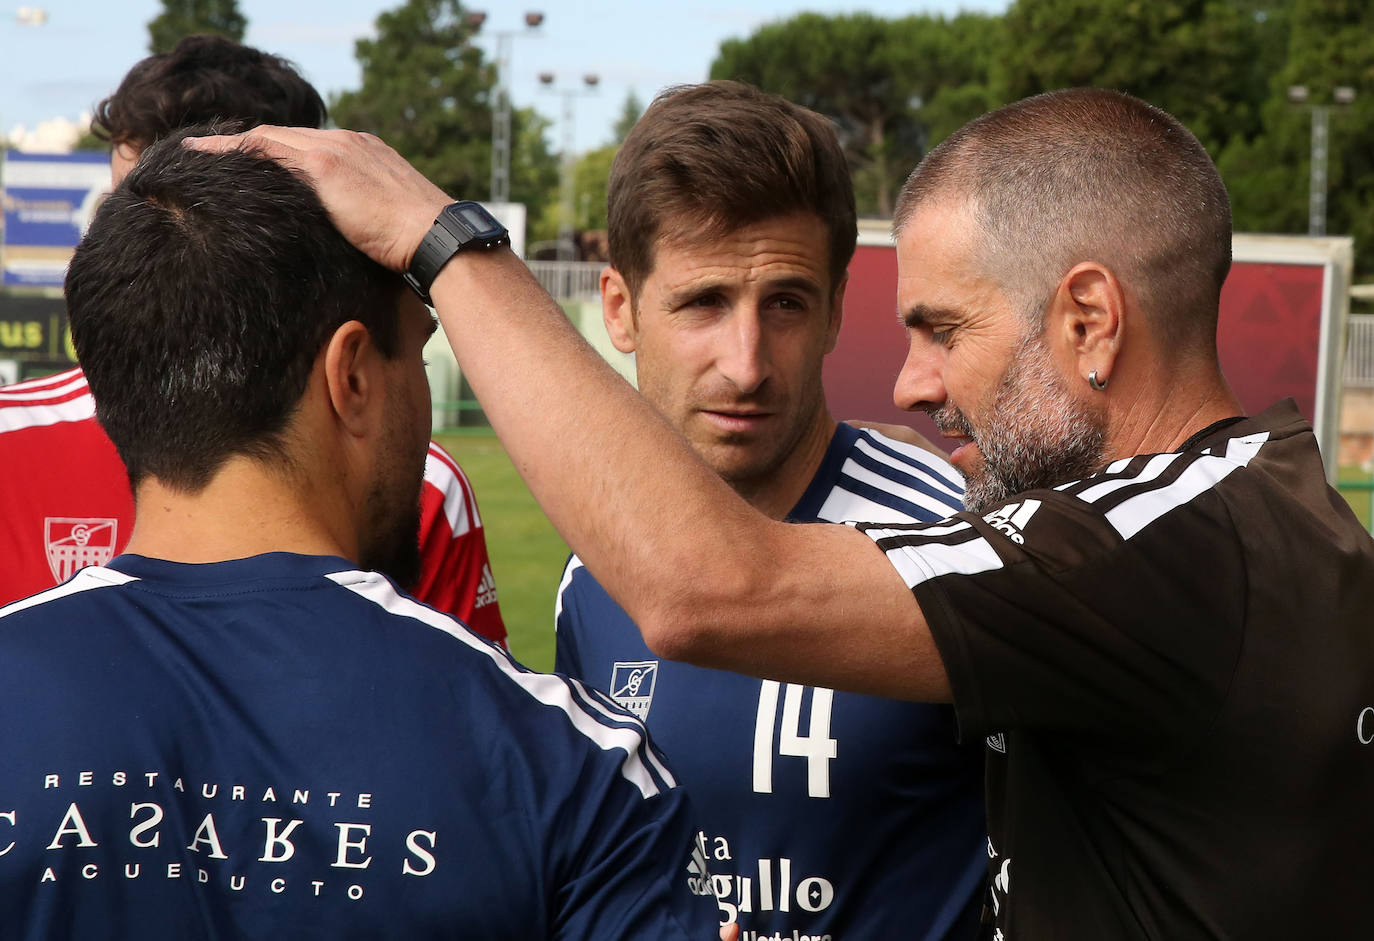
pixel 629 114
pixel 592 170
pixel 533 167
pixel 428 91
pixel 890 86
pixel 181 18
pixel 88 141
pixel 1223 68
pixel 591 174
pixel 1330 45
pixel 1207 62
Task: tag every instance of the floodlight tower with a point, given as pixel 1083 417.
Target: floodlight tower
pixel 1341 96
pixel 500 113
pixel 567 181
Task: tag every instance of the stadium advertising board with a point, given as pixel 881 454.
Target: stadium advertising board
pixel 49 200
pixel 1283 311
pixel 35 338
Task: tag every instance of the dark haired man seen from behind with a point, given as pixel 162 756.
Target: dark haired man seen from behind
pixel 1156 611
pixel 64 497
pixel 235 729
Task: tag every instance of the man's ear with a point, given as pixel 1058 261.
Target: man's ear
pixel 618 310
pixel 836 313
pixel 1088 316
pixel 351 361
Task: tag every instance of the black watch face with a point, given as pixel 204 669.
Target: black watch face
pixel 479 222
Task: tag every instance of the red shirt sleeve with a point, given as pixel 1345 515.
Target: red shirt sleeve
pixel 64 495
pixel 455 571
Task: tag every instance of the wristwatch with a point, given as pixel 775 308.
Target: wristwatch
pixel 462 225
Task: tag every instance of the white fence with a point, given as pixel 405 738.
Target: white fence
pixel 1359 351
pixel 569 280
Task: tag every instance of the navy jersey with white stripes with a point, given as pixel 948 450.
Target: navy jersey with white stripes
pixel 285 747
pixel 822 814
pixel 1172 664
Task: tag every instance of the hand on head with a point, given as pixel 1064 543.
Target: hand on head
pixel 380 203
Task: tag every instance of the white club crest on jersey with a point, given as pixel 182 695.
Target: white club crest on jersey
pixel 632 685
pixel 73 543
pixel 1010 520
pixel 997 743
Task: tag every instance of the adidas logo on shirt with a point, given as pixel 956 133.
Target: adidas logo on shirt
pixel 1010 520
pixel 486 590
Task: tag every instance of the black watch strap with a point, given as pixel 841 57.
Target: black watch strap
pixel 459 226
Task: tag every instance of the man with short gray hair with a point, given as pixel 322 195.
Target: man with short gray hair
pixel 1166 646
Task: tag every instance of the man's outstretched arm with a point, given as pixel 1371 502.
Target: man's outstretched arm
pixel 729 588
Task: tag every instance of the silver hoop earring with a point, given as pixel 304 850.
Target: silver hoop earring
pixel 1097 384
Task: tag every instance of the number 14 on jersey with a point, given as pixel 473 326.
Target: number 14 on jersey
pixel 816 746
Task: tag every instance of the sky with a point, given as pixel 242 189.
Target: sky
pixel 63 67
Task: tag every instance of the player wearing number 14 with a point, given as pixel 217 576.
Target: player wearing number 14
pixel 823 814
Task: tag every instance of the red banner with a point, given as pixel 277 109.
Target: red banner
pixel 1269 338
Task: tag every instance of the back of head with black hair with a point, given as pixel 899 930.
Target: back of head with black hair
pixel 199 300
pixel 205 78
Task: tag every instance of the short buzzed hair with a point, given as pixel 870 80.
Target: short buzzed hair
pixel 714 157
pixel 1090 174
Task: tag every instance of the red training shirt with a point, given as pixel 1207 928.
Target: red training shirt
pixel 65 504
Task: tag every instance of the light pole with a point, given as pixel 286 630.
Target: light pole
pixel 567 182
pixel 1321 119
pixel 500 114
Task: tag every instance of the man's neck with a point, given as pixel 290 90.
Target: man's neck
pixel 246 509
pixel 1156 419
pixel 777 493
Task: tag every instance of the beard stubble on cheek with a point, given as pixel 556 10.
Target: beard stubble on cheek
pixel 391 543
pixel 1037 435
pixel 393 546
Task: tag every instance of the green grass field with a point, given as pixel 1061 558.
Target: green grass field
pixel 1358 489
pixel 527 555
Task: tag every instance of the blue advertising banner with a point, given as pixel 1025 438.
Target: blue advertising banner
pixel 49 200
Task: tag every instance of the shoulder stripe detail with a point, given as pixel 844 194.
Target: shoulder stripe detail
pixel 1136 511
pixel 574 563
pixel 615 715
pixel 444 475
pixel 876 482
pixel 1120 476
pixel 914 457
pixel 891 536
pixel 19 417
pixel 846 505
pixel 867 496
pixel 957 549
pixel 88 578
pixel 43 382
pixel 1144 490
pixel 617 732
pixel 76 385
pixel 1161 472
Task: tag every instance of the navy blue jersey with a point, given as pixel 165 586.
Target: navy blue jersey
pixel 823 814
pixel 284 747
